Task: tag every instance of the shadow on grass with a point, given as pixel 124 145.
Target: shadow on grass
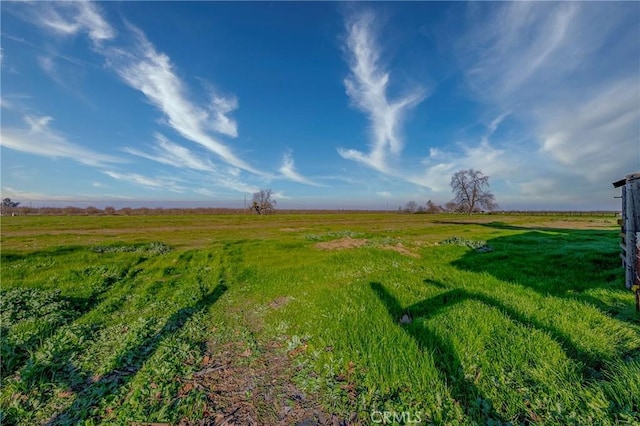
pixel 506 226
pixel 592 362
pixel 43 312
pixel 445 358
pixel 444 354
pixel 11 256
pixel 558 262
pixel 90 395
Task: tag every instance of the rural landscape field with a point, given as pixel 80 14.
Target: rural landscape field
pixel 336 318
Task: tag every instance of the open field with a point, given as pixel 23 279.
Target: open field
pixel 296 318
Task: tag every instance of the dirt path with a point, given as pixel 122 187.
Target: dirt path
pixel 243 388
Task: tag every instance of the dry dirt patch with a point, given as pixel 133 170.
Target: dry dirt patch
pixel 351 243
pixel 244 389
pixel 400 248
pixel 279 302
pixel 342 243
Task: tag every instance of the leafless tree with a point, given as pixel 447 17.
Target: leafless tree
pixel 9 206
pixel 433 207
pixel 451 207
pixel 471 191
pixel 411 207
pixel 263 203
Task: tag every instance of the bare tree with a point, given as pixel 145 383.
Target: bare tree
pixel 450 207
pixel 8 203
pixel 262 202
pixel 411 207
pixel 433 208
pixel 8 206
pixel 471 191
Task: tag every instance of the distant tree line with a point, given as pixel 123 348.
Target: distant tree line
pixel 430 208
pixel 22 210
pixel 123 211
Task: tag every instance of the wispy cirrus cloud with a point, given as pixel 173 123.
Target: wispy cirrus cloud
pixel 575 91
pixel 70 18
pixel 591 138
pixel 152 73
pixel 511 44
pixel 141 66
pixel 156 183
pixel 49 66
pixel 288 170
pixel 367 86
pixel 173 154
pixel 14 193
pixel 223 178
pixel 40 139
pixel 441 164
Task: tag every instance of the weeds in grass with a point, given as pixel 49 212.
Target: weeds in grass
pixel 464 242
pixel 28 317
pixel 539 331
pixel 328 236
pixel 150 249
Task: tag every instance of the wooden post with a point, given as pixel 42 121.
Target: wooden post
pixel 630 232
pixel 637 283
pixel 623 215
pixel 632 228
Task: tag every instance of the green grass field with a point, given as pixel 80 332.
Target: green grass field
pixel 290 319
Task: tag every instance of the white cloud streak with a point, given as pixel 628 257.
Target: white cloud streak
pixel 39 196
pixel 72 18
pixel 152 73
pixel 141 66
pixel 367 87
pixel 155 183
pixel 172 154
pixel 599 139
pixel 513 44
pixel 39 139
pixel 441 165
pixel 288 170
pixel 575 91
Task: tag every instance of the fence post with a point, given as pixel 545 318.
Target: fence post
pixel 632 227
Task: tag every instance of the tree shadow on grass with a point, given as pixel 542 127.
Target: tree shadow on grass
pixel 13 256
pixel 566 263
pixel 444 354
pixel 91 394
pixel 43 312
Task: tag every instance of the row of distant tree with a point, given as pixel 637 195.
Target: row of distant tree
pixel 470 189
pixel 112 211
pixel 430 208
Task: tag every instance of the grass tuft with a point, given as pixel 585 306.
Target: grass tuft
pixel 239 322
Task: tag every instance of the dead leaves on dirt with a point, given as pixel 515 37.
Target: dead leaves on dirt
pixel 245 386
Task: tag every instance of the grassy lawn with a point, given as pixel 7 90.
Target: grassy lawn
pixel 296 318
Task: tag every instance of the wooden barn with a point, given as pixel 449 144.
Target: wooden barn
pixel 630 235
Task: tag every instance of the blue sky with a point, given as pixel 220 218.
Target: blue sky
pixel 329 104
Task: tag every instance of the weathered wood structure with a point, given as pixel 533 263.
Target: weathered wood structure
pixel 630 232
